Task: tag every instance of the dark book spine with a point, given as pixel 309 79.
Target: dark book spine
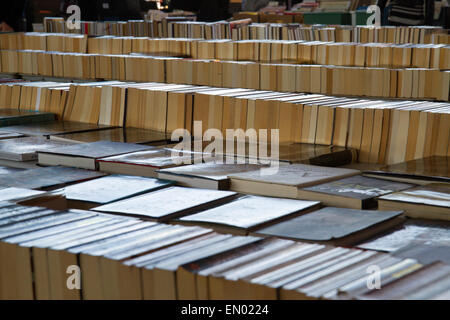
pixel 12 121
pixel 335 159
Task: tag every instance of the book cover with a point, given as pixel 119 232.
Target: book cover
pixel 47 178
pixel 168 203
pixel 334 225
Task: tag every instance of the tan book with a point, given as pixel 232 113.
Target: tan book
pixel 286 181
pixel 428 202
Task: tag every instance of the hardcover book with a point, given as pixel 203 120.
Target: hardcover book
pixel 92 193
pixel 47 178
pixel 430 201
pixel 168 203
pixel 286 181
pixel 24 149
pixel 357 192
pixel 249 212
pixel 332 225
pixel 84 155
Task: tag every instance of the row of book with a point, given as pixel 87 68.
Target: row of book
pixel 245 30
pixel 303 52
pixel 382 131
pixel 417 83
pixel 332 186
pixel 122 257
pixel 175 262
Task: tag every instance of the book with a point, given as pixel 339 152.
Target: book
pixel 410 283
pixel 192 278
pixel 128 284
pixel 48 178
pixel 389 272
pixel 424 253
pixel 25 149
pixel 17 283
pixel 144 163
pixel 359 225
pixel 248 213
pixel 418 171
pixel 30 197
pixel 163 273
pixel 128 135
pixel 428 202
pixel 54 128
pixel 205 175
pixel 8 170
pixel 286 181
pixel 357 192
pixel 168 203
pixel 52 254
pixel 412 232
pixel 10 117
pixel 84 155
pixel 112 188
pixel 10 135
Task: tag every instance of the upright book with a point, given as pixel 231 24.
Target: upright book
pixel 431 201
pixel 285 181
pixel 84 155
pixel 168 203
pixel 338 226
pixel 412 232
pixel 249 212
pixel 357 192
pixel 9 135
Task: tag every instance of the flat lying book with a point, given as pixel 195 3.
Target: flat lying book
pixel 206 175
pixel 47 178
pixel 425 253
pixel 431 201
pixel 9 135
pixel 84 155
pixel 419 171
pixel 24 149
pixel 54 128
pixel 412 232
pixel 11 117
pixel 357 192
pixel 413 283
pixel 338 226
pixel 321 155
pixel 93 193
pixel 169 203
pixel 285 181
pixel 144 163
pixel 52 200
pixel 128 135
pixel 305 153
pixel 8 170
pixel 249 212
pixel 11 194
